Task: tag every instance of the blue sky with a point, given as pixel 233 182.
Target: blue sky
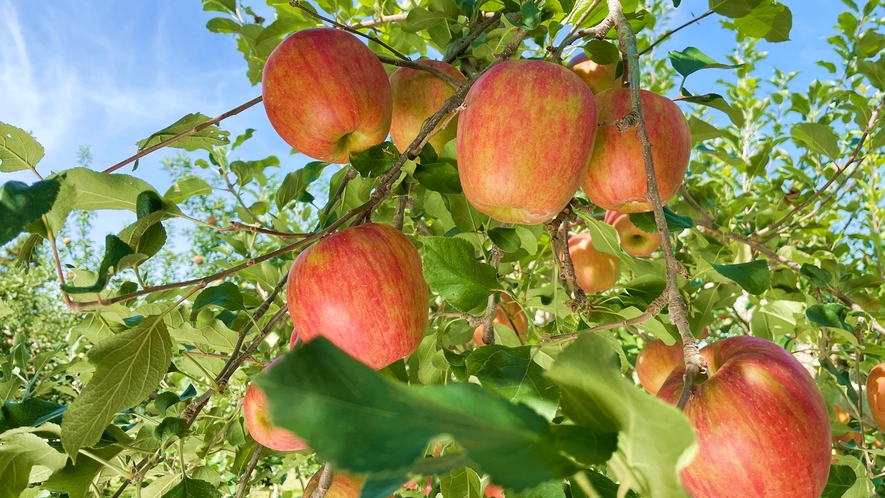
pixel 107 73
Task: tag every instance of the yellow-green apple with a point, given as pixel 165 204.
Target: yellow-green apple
pixel 343 485
pixel 761 423
pixel 616 177
pixel 416 96
pixel 362 288
pixel 514 113
pixel 655 362
pixel 599 77
pixel 255 411
pixel 876 394
pixel 326 94
pixel 595 270
pixel 508 313
pixel 634 241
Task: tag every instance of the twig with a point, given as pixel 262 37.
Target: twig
pixel 694 204
pixel 557 52
pixel 464 43
pixel 599 31
pixel 371 23
pixel 349 175
pixel 488 327
pixel 195 129
pixel 652 311
pixel 323 483
pixel 694 362
pixel 670 33
pixel 400 212
pixel 311 13
pixel 558 230
pixel 421 67
pixel 244 479
pixel 236 226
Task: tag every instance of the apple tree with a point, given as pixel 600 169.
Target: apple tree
pixel 516 251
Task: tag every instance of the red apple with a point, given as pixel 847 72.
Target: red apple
pixel 362 288
pixel 524 140
pixel 634 241
pixel 416 96
pixel 761 422
pixel 255 411
pixel 595 270
pixel 655 362
pixel 616 177
pixel 508 313
pixel 876 394
pixel 493 491
pixel 343 485
pixel 326 94
pixel 599 77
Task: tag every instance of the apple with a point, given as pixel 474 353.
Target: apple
pixel 634 241
pixel 761 423
pixel 524 140
pixel 197 259
pixel 508 313
pixel 616 177
pixel 363 289
pixel 417 95
pixel 493 491
pixel 599 77
pixel 211 220
pixel 343 485
pixel 255 411
pixel 595 270
pixel 66 241
pixel 876 394
pixel 326 94
pixel 655 362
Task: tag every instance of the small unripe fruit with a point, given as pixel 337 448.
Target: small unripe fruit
pixel 211 220
pixel 66 241
pixel 197 259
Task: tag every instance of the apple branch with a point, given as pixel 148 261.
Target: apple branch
pixel 464 44
pixel 670 33
pixel 694 362
pixel 349 175
pixel 371 23
pixel 323 483
pixel 652 311
pixel 488 327
pixel 557 52
pixel 236 226
pixel 599 31
pixel 557 228
pixel 244 479
pixel 421 67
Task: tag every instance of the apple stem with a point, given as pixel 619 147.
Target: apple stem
pixel 488 327
pixel 694 362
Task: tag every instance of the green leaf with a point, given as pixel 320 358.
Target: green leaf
pixel 452 271
pixel 317 383
pixel 421 19
pixel 874 71
pixel 214 335
pixel 655 441
pixel 187 188
pixel 19 452
pixel 603 486
pixel 587 446
pixel 506 238
pixel 715 101
pixel 115 250
pixel 4 311
pixel 692 60
pixel 30 412
pixel 170 426
pixel 733 8
pixel 294 186
pixel 193 488
pixel 531 15
pixel 223 25
pixel 841 479
pixel 75 480
pixel 21 205
pixel 375 160
pixel 128 367
pixel 675 222
pixel 768 20
pixel 869 43
pixel 95 190
pixel 816 137
pixel 552 489
pixel 226 295
pixel 460 483
pixel 818 277
pixel 205 138
pixel 511 373
pixel 754 276
pixel 829 315
pixel 602 52
pixel 18 149
pixel 439 177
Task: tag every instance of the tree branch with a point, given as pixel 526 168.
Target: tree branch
pixel 462 45
pixel 244 479
pixel 421 67
pixel 488 327
pixel 652 311
pixel 670 33
pixel 323 483
pixel 557 52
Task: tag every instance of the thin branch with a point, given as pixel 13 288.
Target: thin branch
pixel 244 479
pixel 557 52
pixel 371 23
pixel 652 311
pixel 599 31
pixel 421 67
pixel 236 226
pixel 694 204
pixel 195 129
pixel 488 327
pixel 399 213
pixel 464 43
pixel 349 175
pixel 323 483
pixel 670 33
pixel 558 230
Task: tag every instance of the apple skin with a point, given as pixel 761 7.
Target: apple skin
pixel 263 431
pixel 508 313
pixel 326 94
pixel 416 96
pixel 363 289
pixel 343 485
pixel 761 422
pixel 876 394
pixel 616 177
pixel 595 270
pixel 493 491
pixel 655 362
pixel 634 241
pixel 525 140
pixel 599 77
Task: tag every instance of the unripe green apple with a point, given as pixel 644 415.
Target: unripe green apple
pixel 508 313
pixel 761 423
pixel 599 77
pixel 616 177
pixel 326 94
pixel 595 270
pixel 634 241
pixel 416 96
pixel 363 289
pixel 524 140
pixel 343 485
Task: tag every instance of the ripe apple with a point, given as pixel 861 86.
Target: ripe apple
pixel 326 94
pixel 343 485
pixel 761 422
pixel 616 177
pixel 525 140
pixel 876 394
pixel 634 241
pixel 508 313
pixel 493 491
pixel 362 288
pixel 416 96
pixel 655 362
pixel 595 270
pixel 599 77
pixel 255 411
